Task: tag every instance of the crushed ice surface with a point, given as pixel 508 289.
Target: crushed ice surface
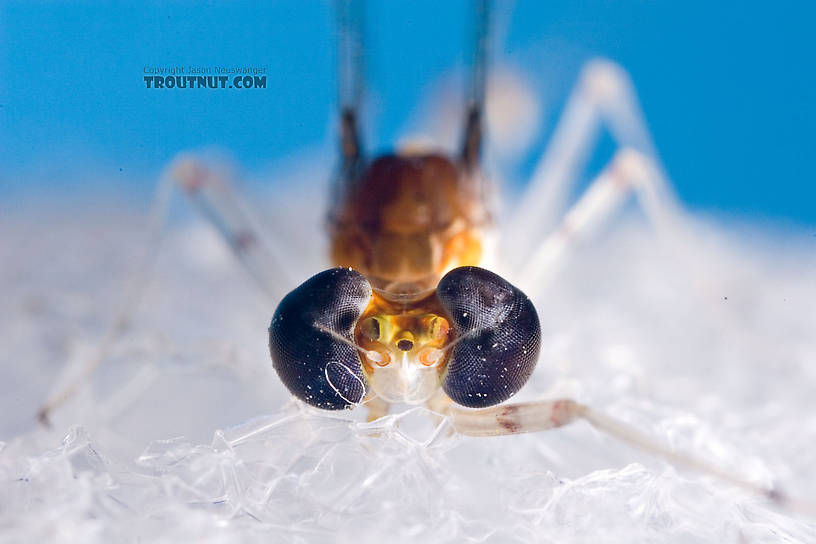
pixel 186 434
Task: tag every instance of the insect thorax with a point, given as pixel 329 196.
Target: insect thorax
pixel 407 220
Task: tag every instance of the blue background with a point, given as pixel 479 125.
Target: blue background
pixel 727 87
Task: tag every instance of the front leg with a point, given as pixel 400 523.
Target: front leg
pixel 474 118
pixel 544 415
pixel 350 84
pixel 505 419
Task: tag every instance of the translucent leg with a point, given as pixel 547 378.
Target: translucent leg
pixel 604 96
pixel 75 376
pixel 629 171
pixel 539 416
pixel 207 188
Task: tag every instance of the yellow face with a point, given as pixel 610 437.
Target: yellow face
pixel 404 356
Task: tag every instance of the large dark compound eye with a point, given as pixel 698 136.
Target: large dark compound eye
pixel 304 339
pixel 498 337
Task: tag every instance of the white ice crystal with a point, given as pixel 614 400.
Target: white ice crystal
pixel 185 434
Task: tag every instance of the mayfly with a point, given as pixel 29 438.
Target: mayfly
pixel 408 315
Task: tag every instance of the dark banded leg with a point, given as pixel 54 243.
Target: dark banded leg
pixel 350 81
pixel 475 98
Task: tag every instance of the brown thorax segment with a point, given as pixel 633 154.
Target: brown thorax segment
pixel 408 220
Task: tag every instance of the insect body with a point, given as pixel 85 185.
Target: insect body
pixel 388 321
pixel 407 312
